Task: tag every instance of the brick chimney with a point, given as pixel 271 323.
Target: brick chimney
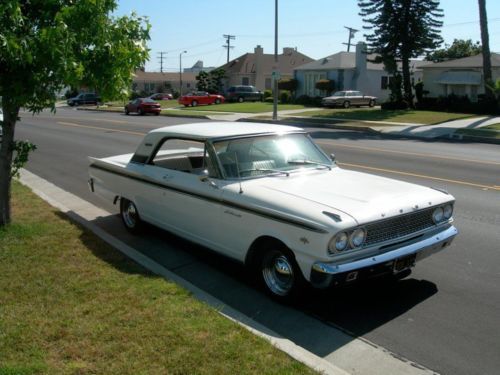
pixel 259 50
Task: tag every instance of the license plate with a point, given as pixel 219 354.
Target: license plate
pixel 404 263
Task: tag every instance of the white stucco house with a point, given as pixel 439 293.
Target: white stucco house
pixel 350 71
pixel 460 76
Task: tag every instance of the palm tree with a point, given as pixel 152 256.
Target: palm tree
pixel 485 40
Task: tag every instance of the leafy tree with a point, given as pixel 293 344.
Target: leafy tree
pixel 401 30
pixel 458 49
pixel 47 45
pixel 485 39
pixel 216 78
pixel 202 81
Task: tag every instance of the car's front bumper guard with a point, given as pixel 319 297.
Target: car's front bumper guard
pixel 323 274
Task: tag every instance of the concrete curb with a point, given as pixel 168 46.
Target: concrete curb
pixel 82 212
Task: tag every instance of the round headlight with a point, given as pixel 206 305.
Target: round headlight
pixel 447 211
pixel 341 241
pixel 437 215
pixel 357 237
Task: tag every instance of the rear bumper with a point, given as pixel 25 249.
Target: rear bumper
pixel 325 274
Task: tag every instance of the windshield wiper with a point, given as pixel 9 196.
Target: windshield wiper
pixel 277 171
pixel 306 162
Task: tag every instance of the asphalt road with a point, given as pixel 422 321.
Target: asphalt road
pixel 445 316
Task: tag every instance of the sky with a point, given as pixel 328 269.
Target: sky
pixel 314 27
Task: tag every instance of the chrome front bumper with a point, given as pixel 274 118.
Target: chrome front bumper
pixel 323 274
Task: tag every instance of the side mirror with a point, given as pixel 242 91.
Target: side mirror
pixel 204 175
pixel 332 157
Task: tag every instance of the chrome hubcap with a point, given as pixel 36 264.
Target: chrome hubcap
pixel 277 272
pixel 130 215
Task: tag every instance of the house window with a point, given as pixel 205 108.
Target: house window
pixel 245 81
pixel 268 83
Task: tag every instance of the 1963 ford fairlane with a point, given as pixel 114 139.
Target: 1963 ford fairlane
pixel 268 196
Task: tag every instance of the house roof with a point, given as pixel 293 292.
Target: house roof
pixel 467 62
pixel 347 60
pixel 162 77
pixel 287 62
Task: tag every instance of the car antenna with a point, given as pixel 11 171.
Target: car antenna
pixel 238 172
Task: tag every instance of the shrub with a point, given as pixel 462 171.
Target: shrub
pixel 289 84
pixel 268 94
pixel 285 97
pixel 269 99
pixel 327 85
pixel 394 105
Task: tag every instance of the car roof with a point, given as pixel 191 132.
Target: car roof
pixel 211 130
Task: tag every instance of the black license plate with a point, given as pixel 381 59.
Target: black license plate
pixel 404 263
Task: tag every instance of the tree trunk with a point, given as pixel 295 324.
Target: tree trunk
pixel 485 41
pixel 408 94
pixel 6 150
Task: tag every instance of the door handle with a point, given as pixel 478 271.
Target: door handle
pixel 167 177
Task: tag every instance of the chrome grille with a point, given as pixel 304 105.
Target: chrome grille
pixel 399 226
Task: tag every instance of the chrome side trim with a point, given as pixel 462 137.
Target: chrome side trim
pixel 423 249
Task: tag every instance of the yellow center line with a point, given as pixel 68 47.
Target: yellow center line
pixel 100 128
pixel 97 120
pixel 422 176
pixel 433 156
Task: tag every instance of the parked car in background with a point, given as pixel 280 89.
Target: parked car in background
pixel 200 98
pixel 142 106
pixel 84 98
pixel 347 99
pixel 161 96
pixel 269 197
pixel 244 94
pixel 1 120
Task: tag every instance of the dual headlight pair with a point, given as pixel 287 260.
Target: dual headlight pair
pixel 442 213
pixel 347 240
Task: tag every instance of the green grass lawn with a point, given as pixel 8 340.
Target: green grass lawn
pixel 70 304
pixel 490 131
pixel 406 116
pixel 247 107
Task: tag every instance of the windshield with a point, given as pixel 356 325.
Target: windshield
pixel 270 154
pixel 339 93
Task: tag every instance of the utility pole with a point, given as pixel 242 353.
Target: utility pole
pixel 352 32
pixel 228 45
pixel 180 72
pixel 276 66
pixel 161 58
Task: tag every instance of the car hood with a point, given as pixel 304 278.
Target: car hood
pixel 361 196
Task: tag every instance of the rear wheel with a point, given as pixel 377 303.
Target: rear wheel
pixel 240 99
pixel 346 104
pixel 217 101
pixel 130 216
pixel 140 111
pixel 194 103
pixel 280 273
pixel 127 111
pixel 371 103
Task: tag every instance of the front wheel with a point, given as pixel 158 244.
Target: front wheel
pixel 130 216
pixel 240 100
pixel 194 103
pixel 280 273
pixel 217 101
pixel 346 104
pixel 140 111
pixel 371 103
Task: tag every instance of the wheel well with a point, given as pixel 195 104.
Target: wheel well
pixel 257 247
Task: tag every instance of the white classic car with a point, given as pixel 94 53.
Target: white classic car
pixel 268 196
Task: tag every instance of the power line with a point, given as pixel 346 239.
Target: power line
pixel 161 55
pixel 228 43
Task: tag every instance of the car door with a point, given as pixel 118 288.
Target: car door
pixel 183 198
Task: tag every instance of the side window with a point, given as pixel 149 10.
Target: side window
pixel 184 156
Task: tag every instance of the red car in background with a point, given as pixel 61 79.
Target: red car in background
pixel 143 106
pixel 161 96
pixel 200 97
